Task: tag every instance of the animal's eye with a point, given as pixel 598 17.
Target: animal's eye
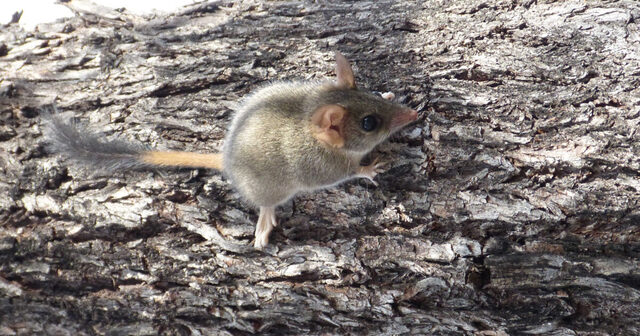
pixel 369 123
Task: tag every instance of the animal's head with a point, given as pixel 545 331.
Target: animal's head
pixel 353 119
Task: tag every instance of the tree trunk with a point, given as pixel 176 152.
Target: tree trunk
pixel 510 207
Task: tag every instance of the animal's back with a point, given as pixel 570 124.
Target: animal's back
pixel 255 157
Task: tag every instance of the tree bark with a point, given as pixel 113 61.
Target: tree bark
pixel 510 207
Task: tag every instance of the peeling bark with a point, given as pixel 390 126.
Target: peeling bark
pixel 511 206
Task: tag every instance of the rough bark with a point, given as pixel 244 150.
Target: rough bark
pixel 511 207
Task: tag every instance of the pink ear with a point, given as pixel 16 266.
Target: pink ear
pixel 344 73
pixel 327 125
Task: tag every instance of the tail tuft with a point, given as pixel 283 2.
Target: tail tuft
pixel 78 144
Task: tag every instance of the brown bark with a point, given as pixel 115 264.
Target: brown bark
pixel 511 206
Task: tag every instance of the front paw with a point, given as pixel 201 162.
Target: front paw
pixel 371 171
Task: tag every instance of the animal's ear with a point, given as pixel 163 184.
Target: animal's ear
pixel 344 73
pixel 327 124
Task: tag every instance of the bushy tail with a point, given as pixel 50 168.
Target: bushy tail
pixel 81 145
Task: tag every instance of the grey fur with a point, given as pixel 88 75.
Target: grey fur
pixel 270 153
pixel 79 144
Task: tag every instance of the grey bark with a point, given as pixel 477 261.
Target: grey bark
pixel 510 207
